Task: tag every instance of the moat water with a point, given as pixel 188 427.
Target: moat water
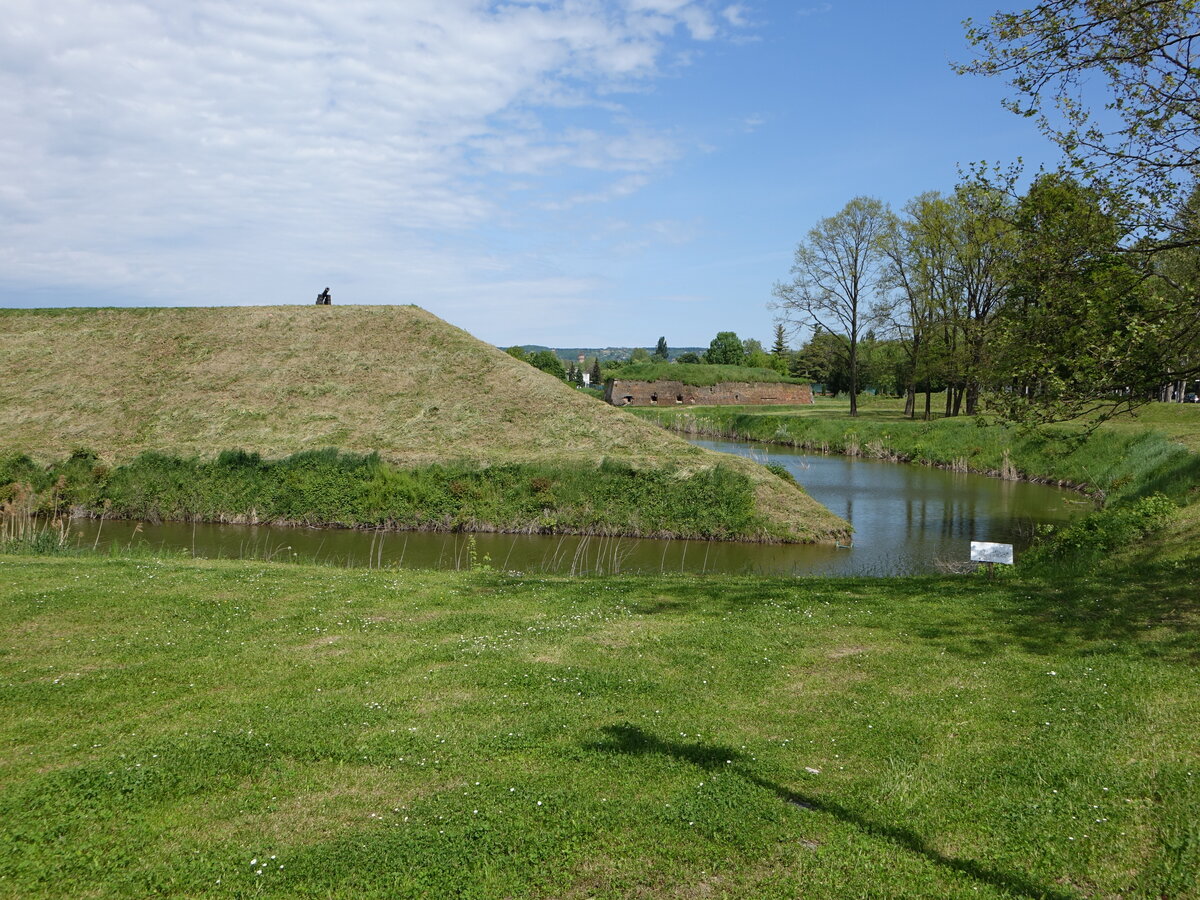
pixel 907 520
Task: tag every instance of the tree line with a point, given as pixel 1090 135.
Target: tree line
pixel 1076 295
pixel 724 349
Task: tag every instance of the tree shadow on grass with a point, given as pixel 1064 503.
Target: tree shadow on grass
pixel 633 741
pixel 1151 610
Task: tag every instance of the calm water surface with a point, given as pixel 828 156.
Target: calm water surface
pixel 907 519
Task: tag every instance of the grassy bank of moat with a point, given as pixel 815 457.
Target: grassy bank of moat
pixel 1154 452
pixel 328 488
pixel 198 728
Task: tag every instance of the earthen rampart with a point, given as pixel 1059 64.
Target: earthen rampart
pixel 728 393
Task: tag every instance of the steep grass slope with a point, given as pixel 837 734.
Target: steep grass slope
pixel 277 380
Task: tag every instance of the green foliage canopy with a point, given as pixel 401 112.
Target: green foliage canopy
pixel 1145 54
pixel 725 350
pixel 548 362
pixel 1082 326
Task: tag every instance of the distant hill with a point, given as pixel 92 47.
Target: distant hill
pixel 275 380
pixel 606 354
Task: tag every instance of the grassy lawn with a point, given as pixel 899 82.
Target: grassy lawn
pixel 1178 421
pixel 218 728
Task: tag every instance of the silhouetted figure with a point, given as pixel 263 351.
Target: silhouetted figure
pixel 324 298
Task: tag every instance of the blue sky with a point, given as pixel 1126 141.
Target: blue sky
pixel 562 172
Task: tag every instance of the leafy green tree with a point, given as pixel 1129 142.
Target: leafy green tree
pixel 1116 83
pixel 780 357
pixel 1177 277
pixel 919 271
pixel 688 357
pixel 548 362
pixel 823 359
pixel 836 273
pixel 983 256
pixel 660 351
pixel 596 379
pixel 640 355
pixel 517 353
pixel 945 273
pixel 1139 58
pixel 1083 330
pixel 760 359
pixel 725 350
pixel 880 364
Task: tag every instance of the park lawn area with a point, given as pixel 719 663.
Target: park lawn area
pixel 231 728
pixel 1180 422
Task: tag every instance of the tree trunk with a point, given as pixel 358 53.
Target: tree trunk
pixel 853 375
pixel 972 398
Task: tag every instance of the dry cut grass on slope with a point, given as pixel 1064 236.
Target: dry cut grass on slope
pixel 395 380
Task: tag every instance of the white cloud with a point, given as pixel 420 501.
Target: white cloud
pixel 735 15
pixel 209 150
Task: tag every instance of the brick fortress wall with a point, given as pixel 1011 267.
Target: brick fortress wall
pixel 729 393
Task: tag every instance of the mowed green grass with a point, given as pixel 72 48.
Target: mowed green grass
pixel 192 728
pixel 1178 421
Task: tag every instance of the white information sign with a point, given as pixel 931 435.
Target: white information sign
pixel 984 551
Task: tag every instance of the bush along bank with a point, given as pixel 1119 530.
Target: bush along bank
pixel 1097 537
pixel 330 488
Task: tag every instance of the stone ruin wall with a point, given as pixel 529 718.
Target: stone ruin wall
pixel 729 393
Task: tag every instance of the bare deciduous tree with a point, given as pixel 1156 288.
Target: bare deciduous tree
pixel 836 275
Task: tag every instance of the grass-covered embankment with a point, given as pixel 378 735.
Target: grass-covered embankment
pixel 192 728
pixel 703 374
pixel 389 380
pixel 327 488
pixel 277 380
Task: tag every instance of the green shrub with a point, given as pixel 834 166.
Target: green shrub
pixel 327 487
pixel 1101 533
pixel 782 472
